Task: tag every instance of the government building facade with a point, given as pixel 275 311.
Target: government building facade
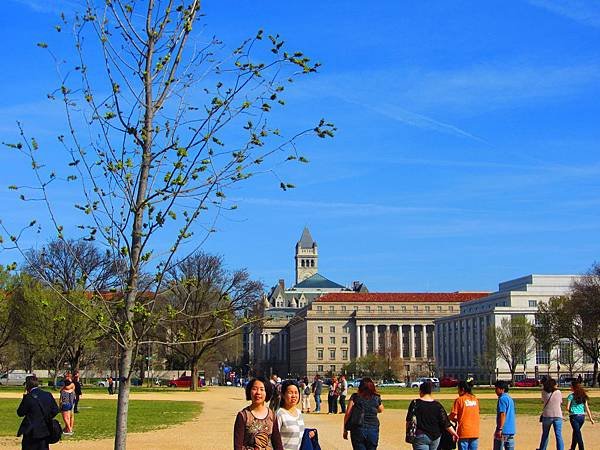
pixel 318 326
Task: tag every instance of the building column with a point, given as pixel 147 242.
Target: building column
pixel 412 342
pixel 388 341
pixel 269 337
pixel 400 346
pixel 364 340
pixel 358 342
pixel 376 340
pixel 423 342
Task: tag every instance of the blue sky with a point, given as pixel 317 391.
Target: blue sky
pixel 467 151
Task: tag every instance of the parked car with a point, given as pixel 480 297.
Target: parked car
pixel 448 382
pixel 353 383
pixel 420 381
pixel 392 383
pixel 185 381
pixel 104 383
pixel 566 381
pixel 14 378
pixel 527 382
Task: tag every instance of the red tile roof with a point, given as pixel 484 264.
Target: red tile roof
pixel 419 297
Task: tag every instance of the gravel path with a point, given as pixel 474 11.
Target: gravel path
pixel 212 430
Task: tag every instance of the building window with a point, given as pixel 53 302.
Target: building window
pixel 344 339
pixel 451 308
pixel 439 308
pixel 427 308
pixel 331 308
pixel 320 354
pixel 355 308
pixel 566 355
pixel 391 307
pixel 319 368
pixel 368 308
pixel 541 355
pixel 343 307
pixel 533 303
pixel 332 329
pixel 319 308
pixel 332 353
pixel 380 308
pixel 415 308
pixel 345 354
pixel 332 368
pixel 403 308
pixel 320 340
pixel 332 340
pixel 319 329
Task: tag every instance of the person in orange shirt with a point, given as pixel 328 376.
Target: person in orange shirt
pixel 465 411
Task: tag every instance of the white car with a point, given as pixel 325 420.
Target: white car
pixel 420 381
pixel 392 383
pixel 354 382
pixel 14 378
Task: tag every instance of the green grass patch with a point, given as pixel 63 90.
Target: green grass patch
pixel 96 418
pixel 525 406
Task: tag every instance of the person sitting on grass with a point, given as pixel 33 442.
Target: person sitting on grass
pixel 255 426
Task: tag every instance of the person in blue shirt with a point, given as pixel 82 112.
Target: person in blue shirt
pixel 504 436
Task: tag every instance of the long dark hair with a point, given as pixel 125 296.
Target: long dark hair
pixel 366 388
pixel 579 393
pixel 550 385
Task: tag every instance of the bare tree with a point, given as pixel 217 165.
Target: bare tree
pixel 75 265
pixel 514 343
pixel 207 306
pixel 488 358
pixel 161 122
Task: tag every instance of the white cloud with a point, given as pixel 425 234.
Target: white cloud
pixel 586 12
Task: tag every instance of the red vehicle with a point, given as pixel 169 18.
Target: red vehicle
pixel 527 382
pixel 185 381
pixel 448 382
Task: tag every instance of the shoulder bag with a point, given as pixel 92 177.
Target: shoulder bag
pixel 542 414
pixel 357 415
pixel 53 425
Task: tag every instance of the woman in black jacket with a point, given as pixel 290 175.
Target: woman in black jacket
pixel 431 418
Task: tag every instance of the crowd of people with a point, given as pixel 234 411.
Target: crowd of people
pixel 273 420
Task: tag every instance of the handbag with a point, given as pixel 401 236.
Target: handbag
pixel 357 416
pixel 411 425
pixel 542 414
pixel 446 441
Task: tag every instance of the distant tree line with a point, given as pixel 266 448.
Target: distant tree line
pixel 54 308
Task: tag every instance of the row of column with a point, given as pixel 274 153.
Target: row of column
pixel 361 339
pixel 267 351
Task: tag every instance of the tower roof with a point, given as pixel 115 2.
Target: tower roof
pixel 318 281
pixel 306 240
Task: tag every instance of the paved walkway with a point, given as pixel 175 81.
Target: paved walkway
pixel 212 430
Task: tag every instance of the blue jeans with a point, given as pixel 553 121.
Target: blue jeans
pixel 364 438
pixel 577 422
pixel 318 403
pixel 468 444
pixel 424 442
pixel 547 422
pixel 506 443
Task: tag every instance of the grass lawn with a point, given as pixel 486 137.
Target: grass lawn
pixel 96 418
pixel 526 406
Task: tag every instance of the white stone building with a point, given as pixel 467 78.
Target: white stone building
pixel 460 339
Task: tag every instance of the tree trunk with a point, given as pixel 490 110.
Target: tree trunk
pixel 595 380
pixel 194 385
pixel 123 399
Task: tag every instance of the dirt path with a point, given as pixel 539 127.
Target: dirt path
pixel 212 430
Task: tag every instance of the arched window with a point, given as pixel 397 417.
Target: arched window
pixel 302 262
pixel 312 263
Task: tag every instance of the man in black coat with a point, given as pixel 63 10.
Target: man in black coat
pixel 36 408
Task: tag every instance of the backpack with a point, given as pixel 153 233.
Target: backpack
pixel 307 390
pixel 54 427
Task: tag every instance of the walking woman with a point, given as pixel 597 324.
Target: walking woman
pixel 577 405
pixel 305 391
pixel 67 400
pixel 366 435
pixel 333 395
pixel 289 417
pixel 465 412
pixel 551 415
pixel 255 426
pixel 431 417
